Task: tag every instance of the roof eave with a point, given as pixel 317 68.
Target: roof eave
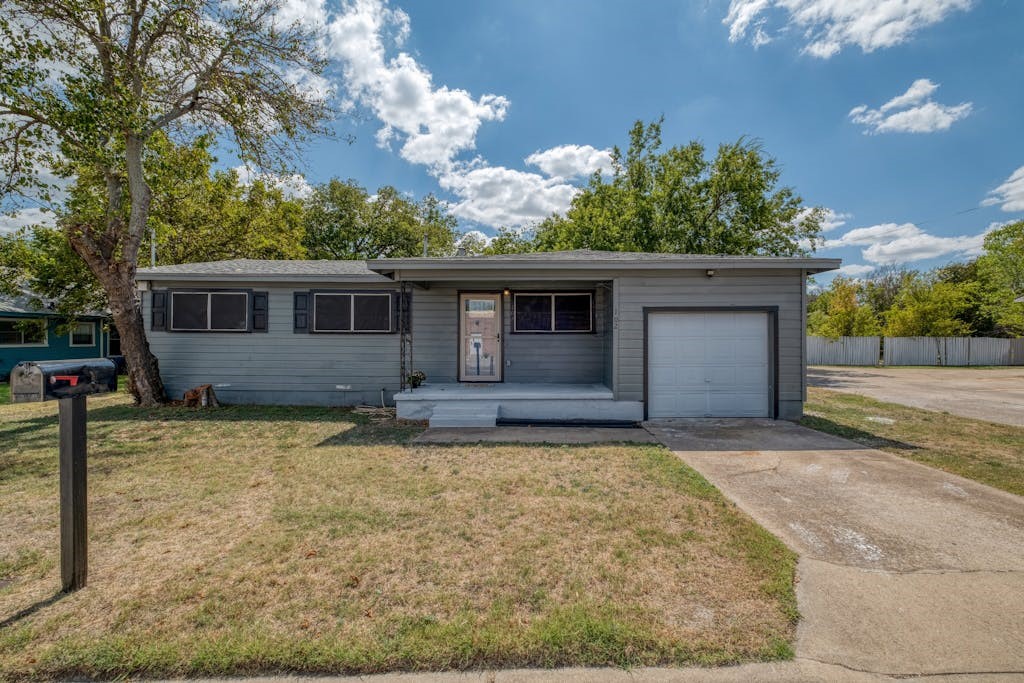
pixel 255 277
pixel 391 267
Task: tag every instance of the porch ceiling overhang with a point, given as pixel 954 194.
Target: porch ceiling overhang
pixel 601 267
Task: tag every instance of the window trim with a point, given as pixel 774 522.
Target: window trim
pixel 34 345
pixel 92 335
pixel 586 292
pixel 170 310
pixel 351 293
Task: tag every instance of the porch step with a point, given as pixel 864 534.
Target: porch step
pixel 464 414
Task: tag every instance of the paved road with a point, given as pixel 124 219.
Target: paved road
pixel 904 569
pixel 996 395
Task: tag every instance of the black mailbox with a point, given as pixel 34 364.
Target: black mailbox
pixel 48 380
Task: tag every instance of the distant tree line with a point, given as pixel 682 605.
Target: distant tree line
pixel 972 298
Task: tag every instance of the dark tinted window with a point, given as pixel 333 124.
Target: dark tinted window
pixel 83 335
pixel 332 312
pixel 572 312
pixel 533 313
pixel 229 311
pixel 372 312
pixel 188 311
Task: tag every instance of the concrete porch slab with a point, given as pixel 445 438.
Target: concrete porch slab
pixel 558 435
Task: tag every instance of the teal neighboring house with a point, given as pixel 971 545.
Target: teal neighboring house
pixel 29 331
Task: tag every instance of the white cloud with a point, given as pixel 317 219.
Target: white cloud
pixel 911 112
pixel 571 161
pixel 431 124
pixel 888 243
pixel 1009 195
pixel 884 232
pixel 830 25
pixel 23 218
pixel 498 196
pixel 292 186
pixel 855 270
pixel 834 219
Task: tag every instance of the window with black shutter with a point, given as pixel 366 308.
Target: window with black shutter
pixel 220 311
pixel 364 312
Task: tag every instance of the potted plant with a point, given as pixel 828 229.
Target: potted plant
pixel 416 378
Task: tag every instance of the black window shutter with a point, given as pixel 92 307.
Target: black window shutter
pixel 260 306
pixel 158 319
pixel 301 310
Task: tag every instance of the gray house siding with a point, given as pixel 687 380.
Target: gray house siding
pixel 279 366
pixel 725 289
pixel 528 358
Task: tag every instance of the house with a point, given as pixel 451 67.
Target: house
pixel 565 336
pixel 33 331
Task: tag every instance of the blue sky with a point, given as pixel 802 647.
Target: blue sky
pixel 578 73
pixel 901 117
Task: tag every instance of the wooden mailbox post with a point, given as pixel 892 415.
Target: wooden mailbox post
pixel 68 382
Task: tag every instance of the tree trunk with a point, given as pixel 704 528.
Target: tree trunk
pixel 144 379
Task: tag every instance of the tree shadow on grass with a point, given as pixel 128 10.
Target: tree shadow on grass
pixel 864 438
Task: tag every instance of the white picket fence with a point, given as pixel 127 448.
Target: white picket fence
pixel 947 351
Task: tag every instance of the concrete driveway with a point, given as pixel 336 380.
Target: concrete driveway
pixel 993 394
pixel 903 569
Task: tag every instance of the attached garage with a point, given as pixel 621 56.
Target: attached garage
pixel 710 363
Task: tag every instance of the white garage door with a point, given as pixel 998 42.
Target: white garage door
pixel 708 365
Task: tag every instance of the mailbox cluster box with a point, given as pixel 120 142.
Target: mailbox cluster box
pixel 54 379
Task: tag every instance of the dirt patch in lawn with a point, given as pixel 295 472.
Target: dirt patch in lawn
pixel 990 453
pixel 245 540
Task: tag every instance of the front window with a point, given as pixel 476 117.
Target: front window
pixel 22 332
pixel 554 312
pixel 351 312
pixel 83 334
pixel 210 311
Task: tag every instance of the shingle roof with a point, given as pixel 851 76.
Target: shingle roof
pixel 362 271
pixel 28 304
pixel 592 259
pixel 261 269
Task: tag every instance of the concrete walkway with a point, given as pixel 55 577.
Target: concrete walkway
pixel 992 394
pixel 904 569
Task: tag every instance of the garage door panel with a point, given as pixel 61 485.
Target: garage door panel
pixel 708 364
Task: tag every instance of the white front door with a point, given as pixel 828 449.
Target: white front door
pixel 480 337
pixel 708 365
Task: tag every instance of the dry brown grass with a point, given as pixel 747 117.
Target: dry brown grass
pixel 984 451
pixel 268 539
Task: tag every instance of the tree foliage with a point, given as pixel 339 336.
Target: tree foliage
pixel 975 297
pixel 678 200
pixel 197 214
pixel 343 221
pixel 85 87
pixel 841 311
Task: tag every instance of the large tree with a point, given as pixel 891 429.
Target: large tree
pixel 678 200
pixel 343 221
pixel 1001 273
pixel 840 311
pixel 197 214
pixel 87 85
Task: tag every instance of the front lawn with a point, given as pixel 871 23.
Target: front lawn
pixel 244 540
pixel 984 451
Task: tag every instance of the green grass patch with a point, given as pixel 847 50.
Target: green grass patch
pixel 990 453
pixel 248 540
